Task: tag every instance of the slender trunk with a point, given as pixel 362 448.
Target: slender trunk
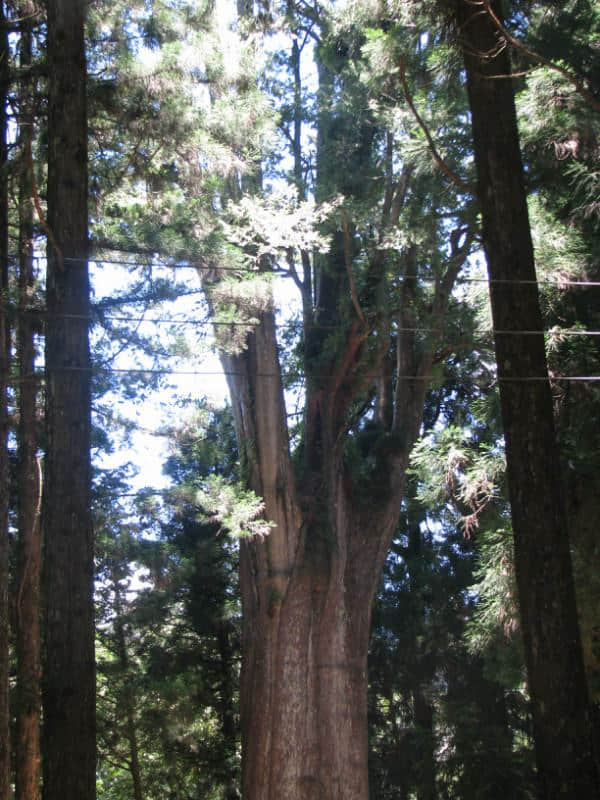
pixel 229 728
pixel 423 671
pixel 28 760
pixel 69 680
pixel 5 765
pixel 128 696
pixel 423 712
pixel 542 558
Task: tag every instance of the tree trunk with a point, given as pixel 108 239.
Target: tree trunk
pixel 128 695
pixel 307 587
pixel 28 759
pixel 542 559
pixel 423 711
pixel 5 772
pixel 304 687
pixel 69 681
pixel 307 591
pixel 424 666
pixel 229 728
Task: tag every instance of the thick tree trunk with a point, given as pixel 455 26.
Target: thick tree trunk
pixel 4 377
pixel 28 760
pixel 308 586
pixel 304 689
pixel 307 591
pixel 542 558
pixel 69 681
pixel 303 693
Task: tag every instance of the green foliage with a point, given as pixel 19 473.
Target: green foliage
pixel 452 464
pixel 180 127
pixel 168 617
pixel 237 511
pixel 494 627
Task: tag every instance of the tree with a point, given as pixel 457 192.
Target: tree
pixel 4 426
pixel 557 683
pixel 307 587
pixel 168 649
pixel 69 679
pixel 560 130
pixel 27 606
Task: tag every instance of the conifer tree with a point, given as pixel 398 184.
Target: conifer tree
pixel 561 714
pixel 69 677
pixel 5 763
pixel 28 607
pixel 308 586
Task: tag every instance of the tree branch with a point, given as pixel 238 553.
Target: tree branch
pixel 448 172
pixel 348 260
pixel 575 80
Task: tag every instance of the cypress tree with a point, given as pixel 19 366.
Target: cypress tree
pixel 561 716
pixel 69 679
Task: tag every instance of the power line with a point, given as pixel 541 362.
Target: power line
pixel 39 375
pixel 203 267
pixel 99 318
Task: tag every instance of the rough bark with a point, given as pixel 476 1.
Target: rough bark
pixel 4 377
pixel 28 611
pixel 69 680
pixel 307 591
pixel 542 559
pixel 307 588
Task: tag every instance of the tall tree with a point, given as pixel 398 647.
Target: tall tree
pixel 69 680
pixel 550 628
pixel 307 587
pixel 28 634
pixel 4 376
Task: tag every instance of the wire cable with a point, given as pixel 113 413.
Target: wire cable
pixel 41 374
pixel 207 323
pixel 203 267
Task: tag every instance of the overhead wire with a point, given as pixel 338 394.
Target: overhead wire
pixel 204 267
pixel 41 374
pixel 208 323
pixel 99 317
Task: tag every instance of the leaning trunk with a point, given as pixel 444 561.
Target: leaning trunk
pixel 69 681
pixel 542 559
